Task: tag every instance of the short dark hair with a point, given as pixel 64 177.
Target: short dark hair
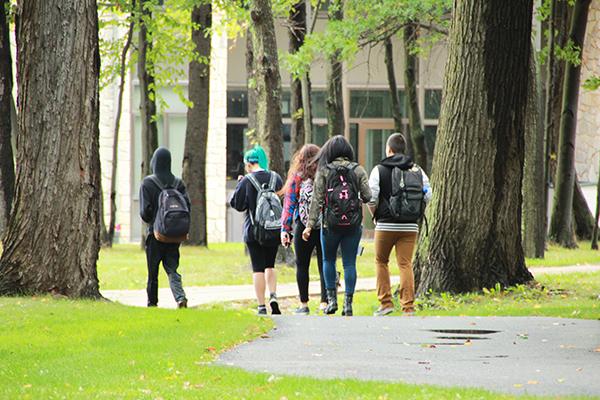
pixel 337 146
pixel 397 143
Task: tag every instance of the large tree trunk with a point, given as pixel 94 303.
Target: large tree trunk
pixel 534 217
pixel 296 33
pixel 52 240
pixel 7 167
pixel 393 86
pixel 115 148
pixel 335 99
pixel 196 136
pixel 474 237
pixel 410 83
pixel 561 223
pixel 597 217
pixel 268 83
pixel 582 216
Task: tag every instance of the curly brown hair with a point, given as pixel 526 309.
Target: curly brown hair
pixel 303 164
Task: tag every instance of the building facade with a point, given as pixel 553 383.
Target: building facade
pixel 367 109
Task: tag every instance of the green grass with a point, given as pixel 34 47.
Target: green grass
pixel 60 349
pixel 124 266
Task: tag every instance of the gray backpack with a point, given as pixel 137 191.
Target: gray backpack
pixel 266 221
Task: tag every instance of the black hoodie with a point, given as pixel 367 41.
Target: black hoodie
pixel 149 190
pixel 382 214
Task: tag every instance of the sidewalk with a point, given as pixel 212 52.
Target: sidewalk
pixel 198 295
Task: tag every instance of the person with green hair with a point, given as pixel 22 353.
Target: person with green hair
pixel 258 190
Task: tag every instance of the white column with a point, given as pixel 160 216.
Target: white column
pixel 216 160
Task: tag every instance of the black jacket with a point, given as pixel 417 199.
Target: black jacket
pixel 149 190
pixel 383 214
pixel 244 198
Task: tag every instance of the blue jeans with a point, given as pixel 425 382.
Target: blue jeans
pixel 349 241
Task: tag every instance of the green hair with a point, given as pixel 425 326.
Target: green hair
pixel 258 156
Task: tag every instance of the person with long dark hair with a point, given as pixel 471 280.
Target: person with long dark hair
pixel 298 193
pixel 341 186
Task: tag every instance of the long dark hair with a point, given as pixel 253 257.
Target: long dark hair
pixel 337 146
pixel 303 163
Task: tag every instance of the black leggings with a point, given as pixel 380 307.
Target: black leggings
pixel 304 251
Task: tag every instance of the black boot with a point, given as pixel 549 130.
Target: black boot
pixel 332 305
pixel 347 310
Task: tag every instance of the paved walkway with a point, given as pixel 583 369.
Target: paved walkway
pixel 520 355
pixel 198 295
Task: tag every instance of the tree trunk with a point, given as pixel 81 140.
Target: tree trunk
pixel 115 148
pixel 414 116
pixel 149 137
pixel 307 114
pixel 597 217
pixel 52 244
pixel 147 98
pixel 393 86
pixel 251 82
pixel 474 237
pixel 268 83
pixel 196 136
pixel 7 167
pixel 534 217
pixel 296 33
pixel 561 223
pixel 582 216
pixel 335 99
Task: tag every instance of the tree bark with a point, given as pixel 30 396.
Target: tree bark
pixel 474 237
pixel 335 99
pixel 7 167
pixel 597 217
pixel 147 99
pixel 306 102
pixel 251 82
pixel 115 148
pixel 582 216
pixel 52 240
pixel 393 86
pixel 296 33
pixel 268 83
pixel 561 223
pixel 196 136
pixel 534 217
pixel 417 135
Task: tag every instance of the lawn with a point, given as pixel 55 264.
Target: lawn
pixel 124 266
pixel 55 349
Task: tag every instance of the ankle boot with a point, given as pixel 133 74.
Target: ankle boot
pixel 347 310
pixel 332 304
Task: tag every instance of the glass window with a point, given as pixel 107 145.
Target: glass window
pixel 433 103
pixel 237 103
pixel 236 143
pixel 286 104
pixel 319 134
pixel 319 106
pixel 354 139
pixel 374 103
pixel 137 153
pixel 176 141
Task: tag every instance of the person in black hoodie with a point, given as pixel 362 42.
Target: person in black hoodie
pixel 157 251
pixel 389 232
pixel 262 257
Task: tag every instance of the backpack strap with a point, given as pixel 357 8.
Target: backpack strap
pixel 272 181
pixel 254 182
pixel 157 182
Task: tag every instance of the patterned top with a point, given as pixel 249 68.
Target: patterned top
pixel 296 204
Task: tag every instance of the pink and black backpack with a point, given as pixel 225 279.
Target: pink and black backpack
pixel 343 210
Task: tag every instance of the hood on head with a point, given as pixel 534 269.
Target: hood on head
pixel 161 161
pixel 401 161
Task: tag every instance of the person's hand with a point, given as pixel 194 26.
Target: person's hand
pixel 285 239
pixel 306 234
pixel 240 177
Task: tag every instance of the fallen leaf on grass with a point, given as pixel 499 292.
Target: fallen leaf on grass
pixel 211 349
pixel 518 385
pixel 27 386
pixel 264 336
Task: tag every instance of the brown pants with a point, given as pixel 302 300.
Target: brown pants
pixel 404 243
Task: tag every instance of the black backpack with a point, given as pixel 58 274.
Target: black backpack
pixel 266 221
pixel 407 200
pixel 172 222
pixel 343 209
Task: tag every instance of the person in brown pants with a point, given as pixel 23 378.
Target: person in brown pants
pixel 400 190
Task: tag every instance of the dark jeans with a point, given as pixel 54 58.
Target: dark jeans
pixel 348 241
pixel 304 251
pixel 168 253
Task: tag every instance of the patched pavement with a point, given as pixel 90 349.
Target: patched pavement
pixel 517 355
